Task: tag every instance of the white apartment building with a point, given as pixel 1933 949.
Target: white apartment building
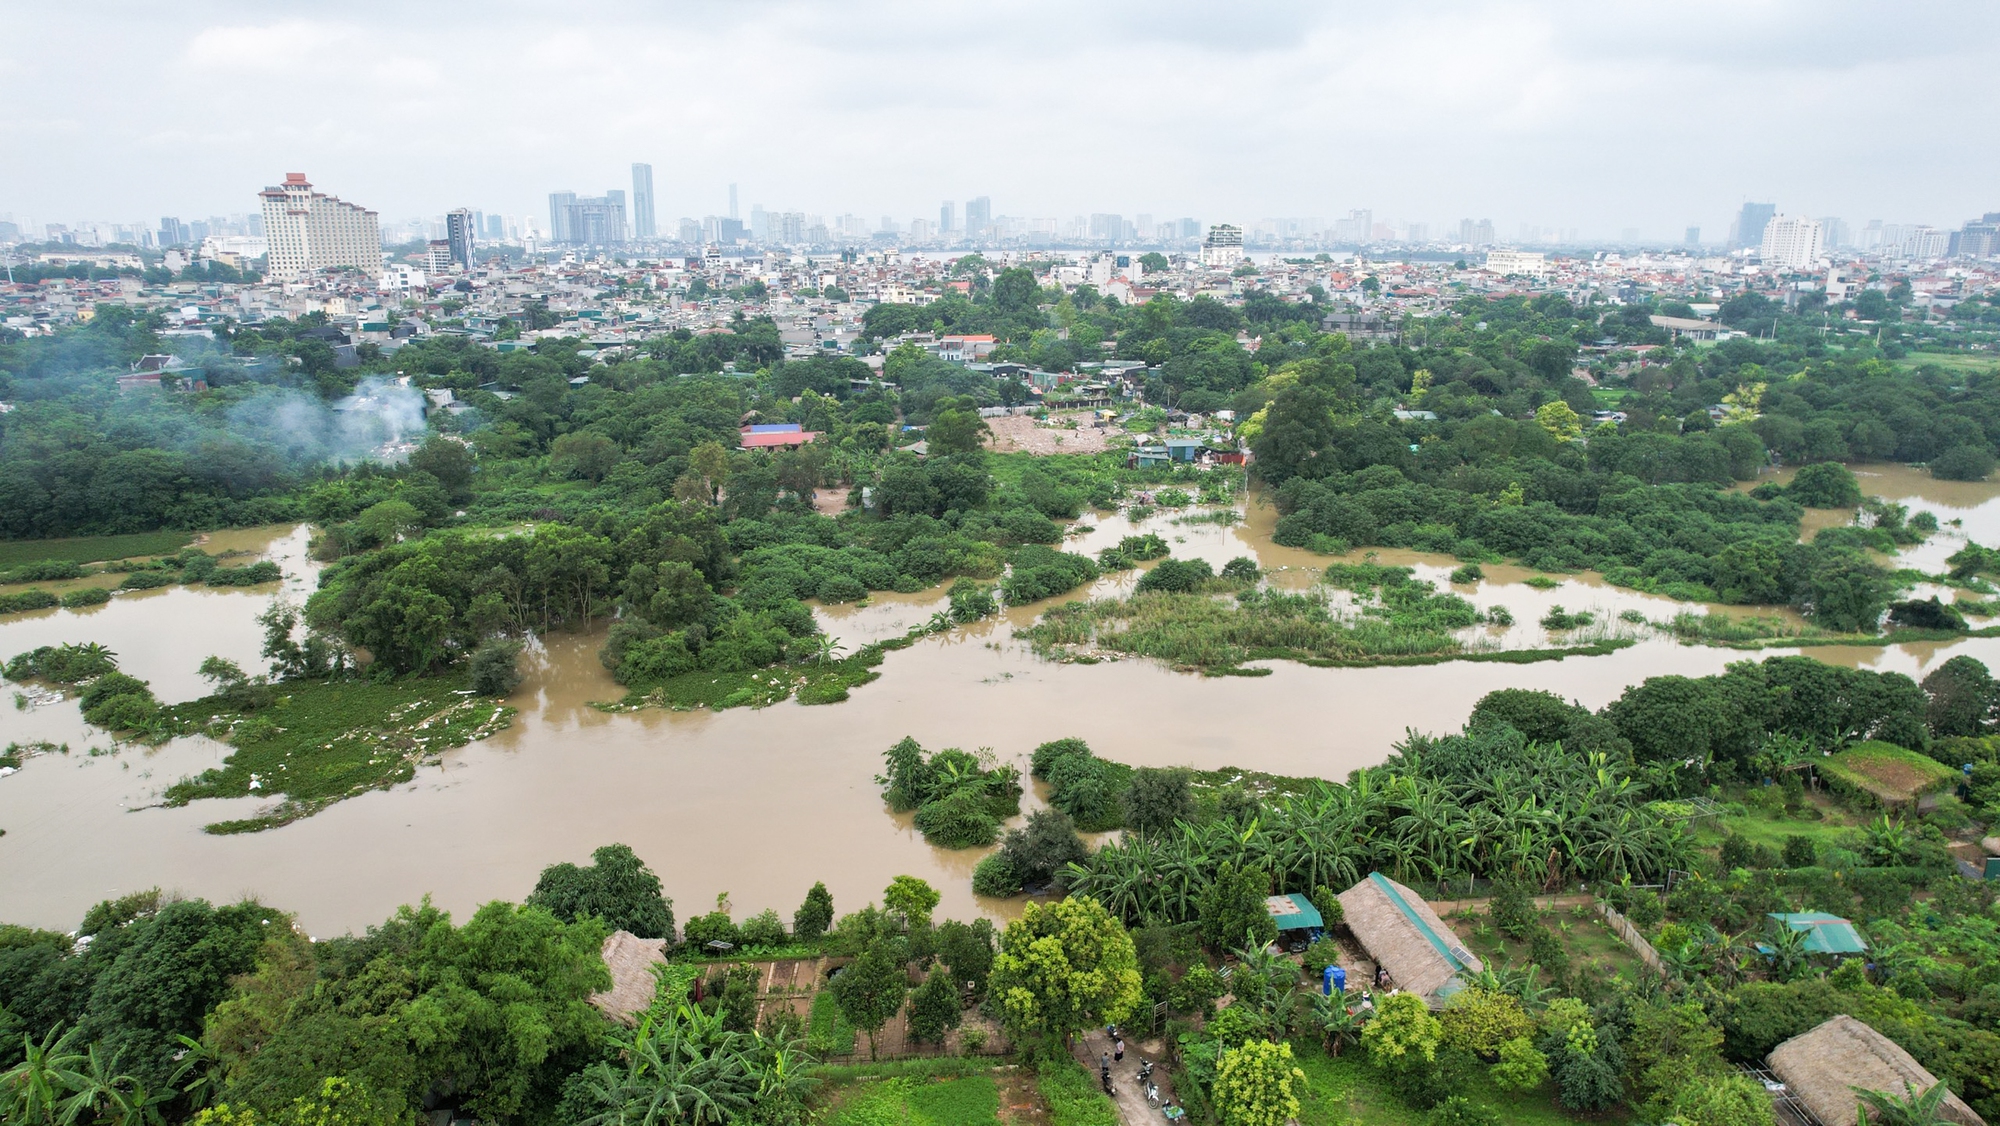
pixel 1223 247
pixel 309 231
pixel 1790 242
pixel 1530 263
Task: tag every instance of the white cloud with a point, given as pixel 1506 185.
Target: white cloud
pixel 1557 112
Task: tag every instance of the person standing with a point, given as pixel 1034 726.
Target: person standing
pixel 1118 1049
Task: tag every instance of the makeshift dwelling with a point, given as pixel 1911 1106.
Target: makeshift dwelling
pixel 1298 920
pixel 631 960
pixel 1406 938
pixel 1822 1067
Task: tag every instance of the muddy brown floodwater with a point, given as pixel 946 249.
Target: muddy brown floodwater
pixel 758 804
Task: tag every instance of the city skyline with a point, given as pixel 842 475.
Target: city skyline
pixel 1508 98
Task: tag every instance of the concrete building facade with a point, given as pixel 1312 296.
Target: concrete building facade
pixel 309 231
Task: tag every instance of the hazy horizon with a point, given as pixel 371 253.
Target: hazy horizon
pixel 1561 115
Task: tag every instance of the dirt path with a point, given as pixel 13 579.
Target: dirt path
pixel 1128 1093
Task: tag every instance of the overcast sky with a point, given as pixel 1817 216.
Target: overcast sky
pixel 1595 115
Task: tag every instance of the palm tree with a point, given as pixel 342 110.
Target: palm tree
pixel 1906 1109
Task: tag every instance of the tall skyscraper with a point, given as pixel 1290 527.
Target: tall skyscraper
pixel 642 202
pixel 978 216
pixel 732 201
pixel 559 205
pixel 1790 241
pixel 459 233
pixel 1693 237
pixel 308 231
pixel 1750 224
pixel 945 225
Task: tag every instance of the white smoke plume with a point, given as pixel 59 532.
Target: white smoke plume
pixel 381 421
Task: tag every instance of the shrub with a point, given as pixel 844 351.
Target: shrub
pixel 1512 910
pixel 1179 575
pixel 1800 852
pixel 1457 1110
pixel 496 667
pixel 934 1008
pixel 88 596
pixel 1522 1066
pixel 1546 951
pixel 1480 1021
pixel 712 927
pixel 1467 573
pixel 957 820
pixel 1963 463
pixel 996 877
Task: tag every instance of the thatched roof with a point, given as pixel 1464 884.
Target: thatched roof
pixel 1404 936
pixel 1821 1068
pixel 631 960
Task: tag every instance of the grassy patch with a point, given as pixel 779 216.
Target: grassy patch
pixel 1345 1089
pixel 1585 937
pixel 321 741
pixel 1820 820
pixel 1072 1095
pixel 1885 772
pixel 813 683
pixel 827 1032
pixel 972 1100
pixel 91 549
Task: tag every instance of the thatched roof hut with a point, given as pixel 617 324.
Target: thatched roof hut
pixel 1405 937
pixel 1822 1067
pixel 631 960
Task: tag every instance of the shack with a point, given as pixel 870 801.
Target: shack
pixel 1407 939
pixel 1822 1067
pixel 1298 920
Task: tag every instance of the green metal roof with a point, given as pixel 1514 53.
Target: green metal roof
pixel 1292 912
pixel 1825 934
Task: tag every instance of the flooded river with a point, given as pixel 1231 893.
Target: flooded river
pixel 758 804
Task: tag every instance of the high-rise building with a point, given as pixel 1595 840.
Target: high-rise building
pixel 1692 238
pixel 945 226
pixel 1359 226
pixel 1750 225
pixel 1834 233
pixel 309 231
pixel 1187 230
pixel 559 205
pixel 1107 228
pixel 1223 246
pixel 459 233
pixel 642 202
pixel 438 257
pixel 978 216
pixel 732 201
pixel 173 232
pixel 643 223
pixel 1475 233
pixel 1790 241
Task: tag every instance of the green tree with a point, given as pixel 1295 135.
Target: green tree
pixel 1403 1034
pixel 1158 798
pixel 1846 591
pixel 956 428
pixel 934 1008
pixel 1231 908
pixel 814 915
pixel 615 886
pixel 1561 422
pixel 912 898
pixel 1521 1066
pixel 1063 967
pixel 871 990
pixel 1825 484
pixel 1964 698
pixel 389 521
pixel 448 460
pixel 495 667
pixel 1257 1084
pixel 584 454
